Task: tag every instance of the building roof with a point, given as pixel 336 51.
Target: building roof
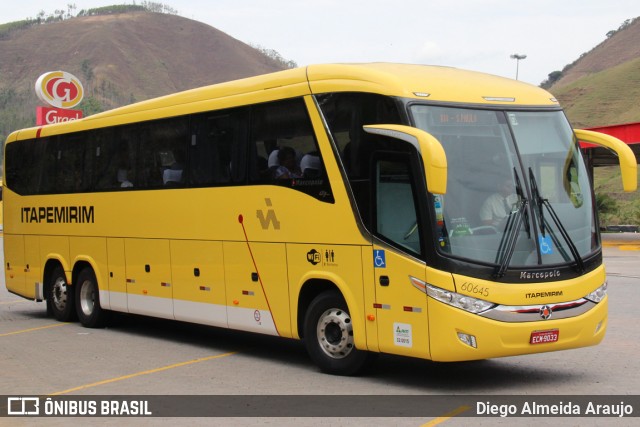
pixel 600 156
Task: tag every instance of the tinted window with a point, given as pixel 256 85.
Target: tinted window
pixel 217 147
pixel 223 147
pixel 67 164
pixel 160 156
pixel 24 165
pixel 283 149
pixel 346 114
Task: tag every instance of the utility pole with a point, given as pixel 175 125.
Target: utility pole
pixel 518 57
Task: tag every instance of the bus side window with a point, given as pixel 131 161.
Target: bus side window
pixel 25 165
pixel 170 138
pixel 109 156
pixel 282 144
pixel 216 145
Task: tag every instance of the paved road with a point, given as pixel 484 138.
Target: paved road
pixel 141 356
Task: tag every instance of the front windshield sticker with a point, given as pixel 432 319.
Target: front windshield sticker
pixel 545 245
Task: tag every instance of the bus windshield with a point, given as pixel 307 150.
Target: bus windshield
pixel 518 190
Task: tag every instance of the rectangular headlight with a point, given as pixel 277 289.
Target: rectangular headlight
pixel 464 302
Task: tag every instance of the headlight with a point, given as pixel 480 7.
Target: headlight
pixel 465 302
pixel 599 294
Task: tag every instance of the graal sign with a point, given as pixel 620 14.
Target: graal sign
pixel 62 91
pixel 49 116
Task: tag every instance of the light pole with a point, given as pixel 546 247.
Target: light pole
pixel 517 57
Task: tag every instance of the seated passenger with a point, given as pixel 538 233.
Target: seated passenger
pixel 173 175
pixel 310 166
pixel 124 166
pixel 287 167
pixel 272 163
pixel 499 205
pixel 123 180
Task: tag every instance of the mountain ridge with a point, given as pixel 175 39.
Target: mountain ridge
pixel 120 58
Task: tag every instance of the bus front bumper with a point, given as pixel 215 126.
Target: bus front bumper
pixel 455 332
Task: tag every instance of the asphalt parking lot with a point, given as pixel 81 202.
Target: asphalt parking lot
pixel 141 357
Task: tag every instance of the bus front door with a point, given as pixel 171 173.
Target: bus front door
pixel 401 307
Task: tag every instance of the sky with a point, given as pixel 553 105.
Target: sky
pixel 478 35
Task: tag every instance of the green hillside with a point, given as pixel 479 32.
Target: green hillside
pixel 603 98
pixel 602 88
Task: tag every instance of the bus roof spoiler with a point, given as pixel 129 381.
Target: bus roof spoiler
pixel 628 163
pixel 434 158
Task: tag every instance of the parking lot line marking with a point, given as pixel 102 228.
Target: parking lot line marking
pixel 137 374
pixel 17 301
pixel 447 416
pixel 34 329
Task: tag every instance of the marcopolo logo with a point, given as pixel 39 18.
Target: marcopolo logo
pixel 59 89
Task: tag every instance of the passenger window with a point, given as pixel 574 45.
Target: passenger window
pixel 161 147
pixel 217 142
pixel 66 160
pixel 112 159
pixel 284 151
pixel 25 160
pixel 346 114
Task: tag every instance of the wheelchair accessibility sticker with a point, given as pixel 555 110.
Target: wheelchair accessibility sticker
pixel 545 245
pixel 379 259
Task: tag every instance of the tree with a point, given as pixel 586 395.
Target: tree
pixel 553 77
pixel 90 106
pixel 275 56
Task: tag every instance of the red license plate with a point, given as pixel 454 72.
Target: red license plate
pixel 544 337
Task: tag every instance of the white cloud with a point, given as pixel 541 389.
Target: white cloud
pixel 430 52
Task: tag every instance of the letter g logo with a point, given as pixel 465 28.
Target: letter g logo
pixel 59 89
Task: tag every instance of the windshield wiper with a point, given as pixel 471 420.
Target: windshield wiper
pixel 510 236
pixel 542 203
pixel 537 200
pixel 520 194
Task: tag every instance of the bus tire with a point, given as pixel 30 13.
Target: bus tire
pixel 328 336
pixel 60 296
pixel 90 313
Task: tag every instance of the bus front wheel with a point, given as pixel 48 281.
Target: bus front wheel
pixel 90 314
pixel 60 296
pixel 328 335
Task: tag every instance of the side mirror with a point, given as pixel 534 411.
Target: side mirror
pixel 434 158
pixel 628 163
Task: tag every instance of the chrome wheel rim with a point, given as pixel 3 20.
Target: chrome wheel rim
pixel 87 297
pixel 59 293
pixel 335 333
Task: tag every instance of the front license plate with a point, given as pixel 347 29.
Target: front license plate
pixel 544 337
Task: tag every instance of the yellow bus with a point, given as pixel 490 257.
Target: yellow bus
pixel 1 205
pixel 364 208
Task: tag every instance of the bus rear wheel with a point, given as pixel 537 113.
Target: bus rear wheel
pixel 328 335
pixel 60 296
pixel 90 313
